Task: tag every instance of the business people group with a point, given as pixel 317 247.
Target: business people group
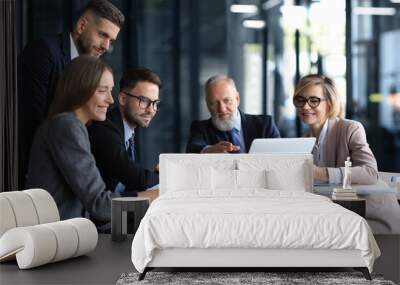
pixel 60 156
pixel 85 156
pixel 42 62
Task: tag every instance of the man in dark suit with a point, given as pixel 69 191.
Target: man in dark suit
pixel 42 62
pixel 228 129
pixel 113 142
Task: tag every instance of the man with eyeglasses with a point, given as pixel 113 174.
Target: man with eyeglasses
pixel 228 130
pixel 113 142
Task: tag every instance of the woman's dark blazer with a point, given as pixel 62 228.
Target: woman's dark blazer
pixel 62 164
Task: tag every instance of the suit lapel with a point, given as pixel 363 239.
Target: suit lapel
pixel 66 48
pixel 137 145
pixel 115 117
pixel 331 142
pixel 247 131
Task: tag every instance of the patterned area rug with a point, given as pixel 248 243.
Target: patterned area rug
pixel 229 278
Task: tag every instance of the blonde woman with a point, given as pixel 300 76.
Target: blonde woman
pixel 318 104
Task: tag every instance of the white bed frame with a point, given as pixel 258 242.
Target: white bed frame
pixel 250 257
pixel 234 257
pixel 256 258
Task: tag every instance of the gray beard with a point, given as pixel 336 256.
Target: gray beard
pixel 224 125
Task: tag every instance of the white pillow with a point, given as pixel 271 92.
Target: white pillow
pixel 223 179
pixel 188 177
pixel 293 180
pixel 287 174
pixel 251 178
pixel 231 180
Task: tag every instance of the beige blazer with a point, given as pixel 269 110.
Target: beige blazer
pixel 347 138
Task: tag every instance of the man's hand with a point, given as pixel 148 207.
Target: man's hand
pixel 221 147
pixel 157 169
pixel 152 194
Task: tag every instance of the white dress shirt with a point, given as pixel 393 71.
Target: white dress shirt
pixel 74 51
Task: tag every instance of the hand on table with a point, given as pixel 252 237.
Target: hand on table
pixel 152 194
pixel 221 147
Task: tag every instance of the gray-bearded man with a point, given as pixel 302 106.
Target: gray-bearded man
pixel 228 130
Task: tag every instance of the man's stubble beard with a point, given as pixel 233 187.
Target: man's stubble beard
pixel 80 45
pixel 131 120
pixel 84 46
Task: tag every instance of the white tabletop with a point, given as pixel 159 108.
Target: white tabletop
pixel 380 187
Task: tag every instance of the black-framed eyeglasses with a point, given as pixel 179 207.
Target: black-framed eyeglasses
pixel 145 102
pixel 313 102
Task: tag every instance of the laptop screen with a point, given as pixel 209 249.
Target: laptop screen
pixel 282 145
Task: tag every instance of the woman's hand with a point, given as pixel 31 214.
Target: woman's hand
pixel 321 174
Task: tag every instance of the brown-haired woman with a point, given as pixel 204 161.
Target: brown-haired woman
pixel 318 104
pixel 61 161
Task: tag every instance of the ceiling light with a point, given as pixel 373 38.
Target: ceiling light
pixel 254 24
pixel 375 11
pixel 240 8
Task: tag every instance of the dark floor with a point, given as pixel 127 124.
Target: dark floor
pixel 110 259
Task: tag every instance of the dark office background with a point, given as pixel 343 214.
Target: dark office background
pixel 187 41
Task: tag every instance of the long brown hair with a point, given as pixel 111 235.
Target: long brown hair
pixel 336 108
pixel 79 82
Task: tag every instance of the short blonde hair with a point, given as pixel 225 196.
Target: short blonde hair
pixel 334 101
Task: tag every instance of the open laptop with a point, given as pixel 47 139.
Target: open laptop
pixel 282 145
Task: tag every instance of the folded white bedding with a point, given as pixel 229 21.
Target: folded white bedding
pixel 252 218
